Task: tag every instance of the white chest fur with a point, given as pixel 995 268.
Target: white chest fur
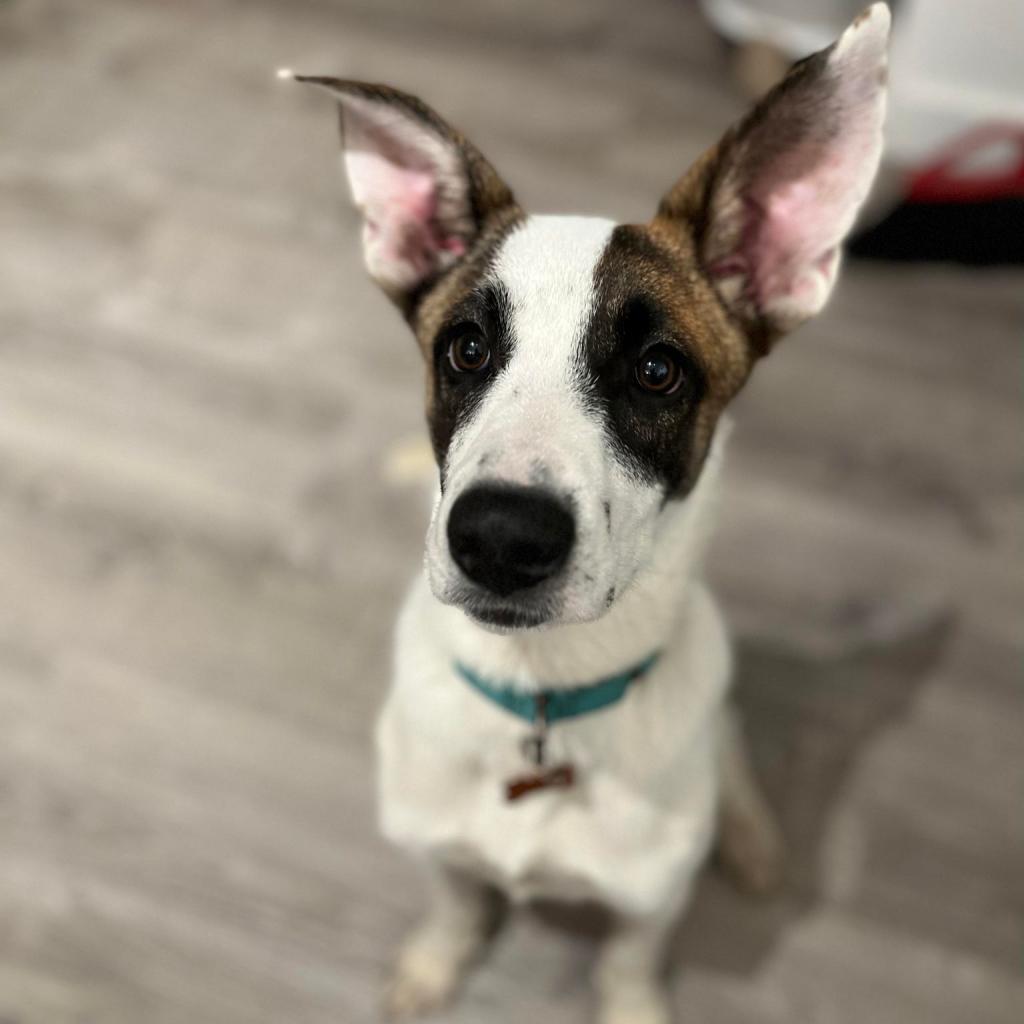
pixel 641 816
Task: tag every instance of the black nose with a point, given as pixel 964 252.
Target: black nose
pixel 509 538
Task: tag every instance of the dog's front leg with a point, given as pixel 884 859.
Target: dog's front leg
pixel 629 977
pixel 436 955
pixel 750 844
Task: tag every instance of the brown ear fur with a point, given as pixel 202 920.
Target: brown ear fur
pixel 485 203
pixel 795 137
pixel 711 186
pixel 488 192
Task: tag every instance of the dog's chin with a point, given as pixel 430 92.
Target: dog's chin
pixel 517 613
pixel 507 618
pixel 503 617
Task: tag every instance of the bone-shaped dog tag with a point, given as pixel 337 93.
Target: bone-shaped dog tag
pixel 562 776
pixel 534 748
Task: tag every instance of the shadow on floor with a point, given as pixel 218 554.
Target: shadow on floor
pixel 809 719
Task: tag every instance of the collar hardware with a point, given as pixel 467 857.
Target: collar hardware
pixel 542 709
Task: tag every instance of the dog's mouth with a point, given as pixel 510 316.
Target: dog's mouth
pixel 506 617
pixel 506 614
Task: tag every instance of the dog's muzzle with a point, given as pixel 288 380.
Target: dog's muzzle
pixel 510 539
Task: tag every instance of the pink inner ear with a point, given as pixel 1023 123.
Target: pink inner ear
pixel 396 187
pixel 794 216
pixel 787 241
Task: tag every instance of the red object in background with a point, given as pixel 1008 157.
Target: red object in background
pixel 966 206
pixel 940 182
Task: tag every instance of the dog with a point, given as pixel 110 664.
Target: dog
pixel 558 725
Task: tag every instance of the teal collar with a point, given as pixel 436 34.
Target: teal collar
pixel 555 705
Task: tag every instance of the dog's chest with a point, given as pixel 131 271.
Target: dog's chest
pixel 601 839
pixel 632 828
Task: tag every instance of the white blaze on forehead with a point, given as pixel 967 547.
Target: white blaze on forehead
pixel 533 426
pixel 532 418
pixel 547 267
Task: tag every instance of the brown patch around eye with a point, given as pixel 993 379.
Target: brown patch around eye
pixel 434 309
pixel 663 355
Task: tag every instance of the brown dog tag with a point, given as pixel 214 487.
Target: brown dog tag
pixel 562 776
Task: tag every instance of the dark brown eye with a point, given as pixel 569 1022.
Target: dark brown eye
pixel 469 353
pixel 658 370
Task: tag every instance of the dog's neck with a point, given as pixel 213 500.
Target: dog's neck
pixel 640 622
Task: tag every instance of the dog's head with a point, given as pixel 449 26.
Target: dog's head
pixel 576 368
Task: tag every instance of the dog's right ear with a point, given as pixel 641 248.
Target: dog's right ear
pixel 425 192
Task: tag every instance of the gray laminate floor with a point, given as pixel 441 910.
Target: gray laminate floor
pixel 203 538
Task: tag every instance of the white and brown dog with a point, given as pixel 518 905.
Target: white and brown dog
pixel 558 724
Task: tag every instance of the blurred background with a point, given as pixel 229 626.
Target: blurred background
pixel 210 502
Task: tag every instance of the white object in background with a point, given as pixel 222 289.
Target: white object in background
pixel 954 65
pixel 795 27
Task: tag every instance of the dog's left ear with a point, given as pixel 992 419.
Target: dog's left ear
pixel 770 205
pixel 425 192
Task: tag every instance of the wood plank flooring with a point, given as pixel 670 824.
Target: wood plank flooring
pixel 201 551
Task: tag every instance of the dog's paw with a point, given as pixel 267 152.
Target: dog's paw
pixel 421 984
pixel 410 996
pixel 650 1006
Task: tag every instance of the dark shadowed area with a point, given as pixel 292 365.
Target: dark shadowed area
pixel 210 430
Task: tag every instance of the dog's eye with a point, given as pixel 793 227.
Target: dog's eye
pixel 659 371
pixel 469 353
